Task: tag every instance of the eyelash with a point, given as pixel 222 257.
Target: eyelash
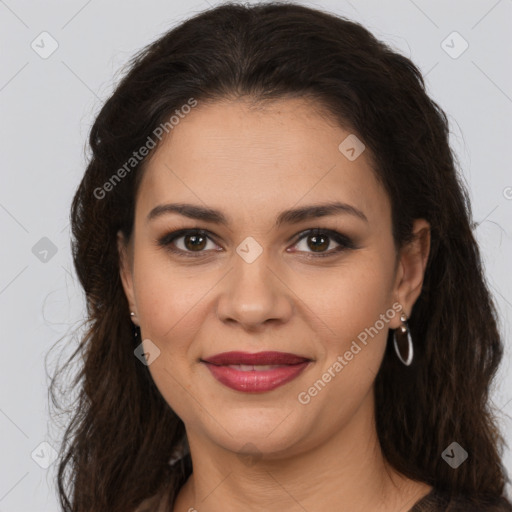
pixel 343 241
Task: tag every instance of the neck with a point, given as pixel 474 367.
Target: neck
pixel 346 471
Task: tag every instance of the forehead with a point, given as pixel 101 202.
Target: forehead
pixel 242 160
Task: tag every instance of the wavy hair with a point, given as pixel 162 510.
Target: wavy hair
pixel 117 445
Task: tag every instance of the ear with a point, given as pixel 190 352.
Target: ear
pixel 412 262
pixel 125 251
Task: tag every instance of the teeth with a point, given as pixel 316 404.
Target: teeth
pixel 253 367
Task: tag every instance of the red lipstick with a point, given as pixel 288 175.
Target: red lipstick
pixel 253 373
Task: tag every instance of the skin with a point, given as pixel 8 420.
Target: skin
pixel 268 451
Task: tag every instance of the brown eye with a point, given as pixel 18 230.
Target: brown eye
pixel 318 241
pixel 187 242
pixel 194 242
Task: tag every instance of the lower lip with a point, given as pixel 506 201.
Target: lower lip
pixel 254 381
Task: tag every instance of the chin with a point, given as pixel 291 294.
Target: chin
pixel 260 431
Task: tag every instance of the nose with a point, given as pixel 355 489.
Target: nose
pixel 253 295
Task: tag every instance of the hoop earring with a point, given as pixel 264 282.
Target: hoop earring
pixel 404 329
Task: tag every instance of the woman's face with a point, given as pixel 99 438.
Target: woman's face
pixel 259 282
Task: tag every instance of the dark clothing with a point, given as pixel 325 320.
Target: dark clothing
pixel 437 501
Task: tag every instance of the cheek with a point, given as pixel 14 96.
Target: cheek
pixel 168 303
pixel 168 298
pixel 354 345
pixel 351 298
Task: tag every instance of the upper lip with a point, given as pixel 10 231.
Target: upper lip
pixel 258 358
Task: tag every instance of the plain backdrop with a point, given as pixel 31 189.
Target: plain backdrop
pixel 48 103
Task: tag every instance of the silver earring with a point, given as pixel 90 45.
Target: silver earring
pixel 406 333
pixel 135 328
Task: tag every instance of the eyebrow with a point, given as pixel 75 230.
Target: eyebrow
pixel 293 216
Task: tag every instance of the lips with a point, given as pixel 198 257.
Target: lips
pixel 260 358
pixel 253 373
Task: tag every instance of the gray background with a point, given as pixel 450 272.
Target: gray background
pixel 47 106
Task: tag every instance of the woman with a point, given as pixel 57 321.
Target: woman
pixel 287 309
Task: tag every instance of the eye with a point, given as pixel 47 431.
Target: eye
pixel 194 242
pixel 320 239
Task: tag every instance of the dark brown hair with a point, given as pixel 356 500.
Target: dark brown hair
pixel 117 446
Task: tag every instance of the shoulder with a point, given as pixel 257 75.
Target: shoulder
pixel 475 505
pixel 439 501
